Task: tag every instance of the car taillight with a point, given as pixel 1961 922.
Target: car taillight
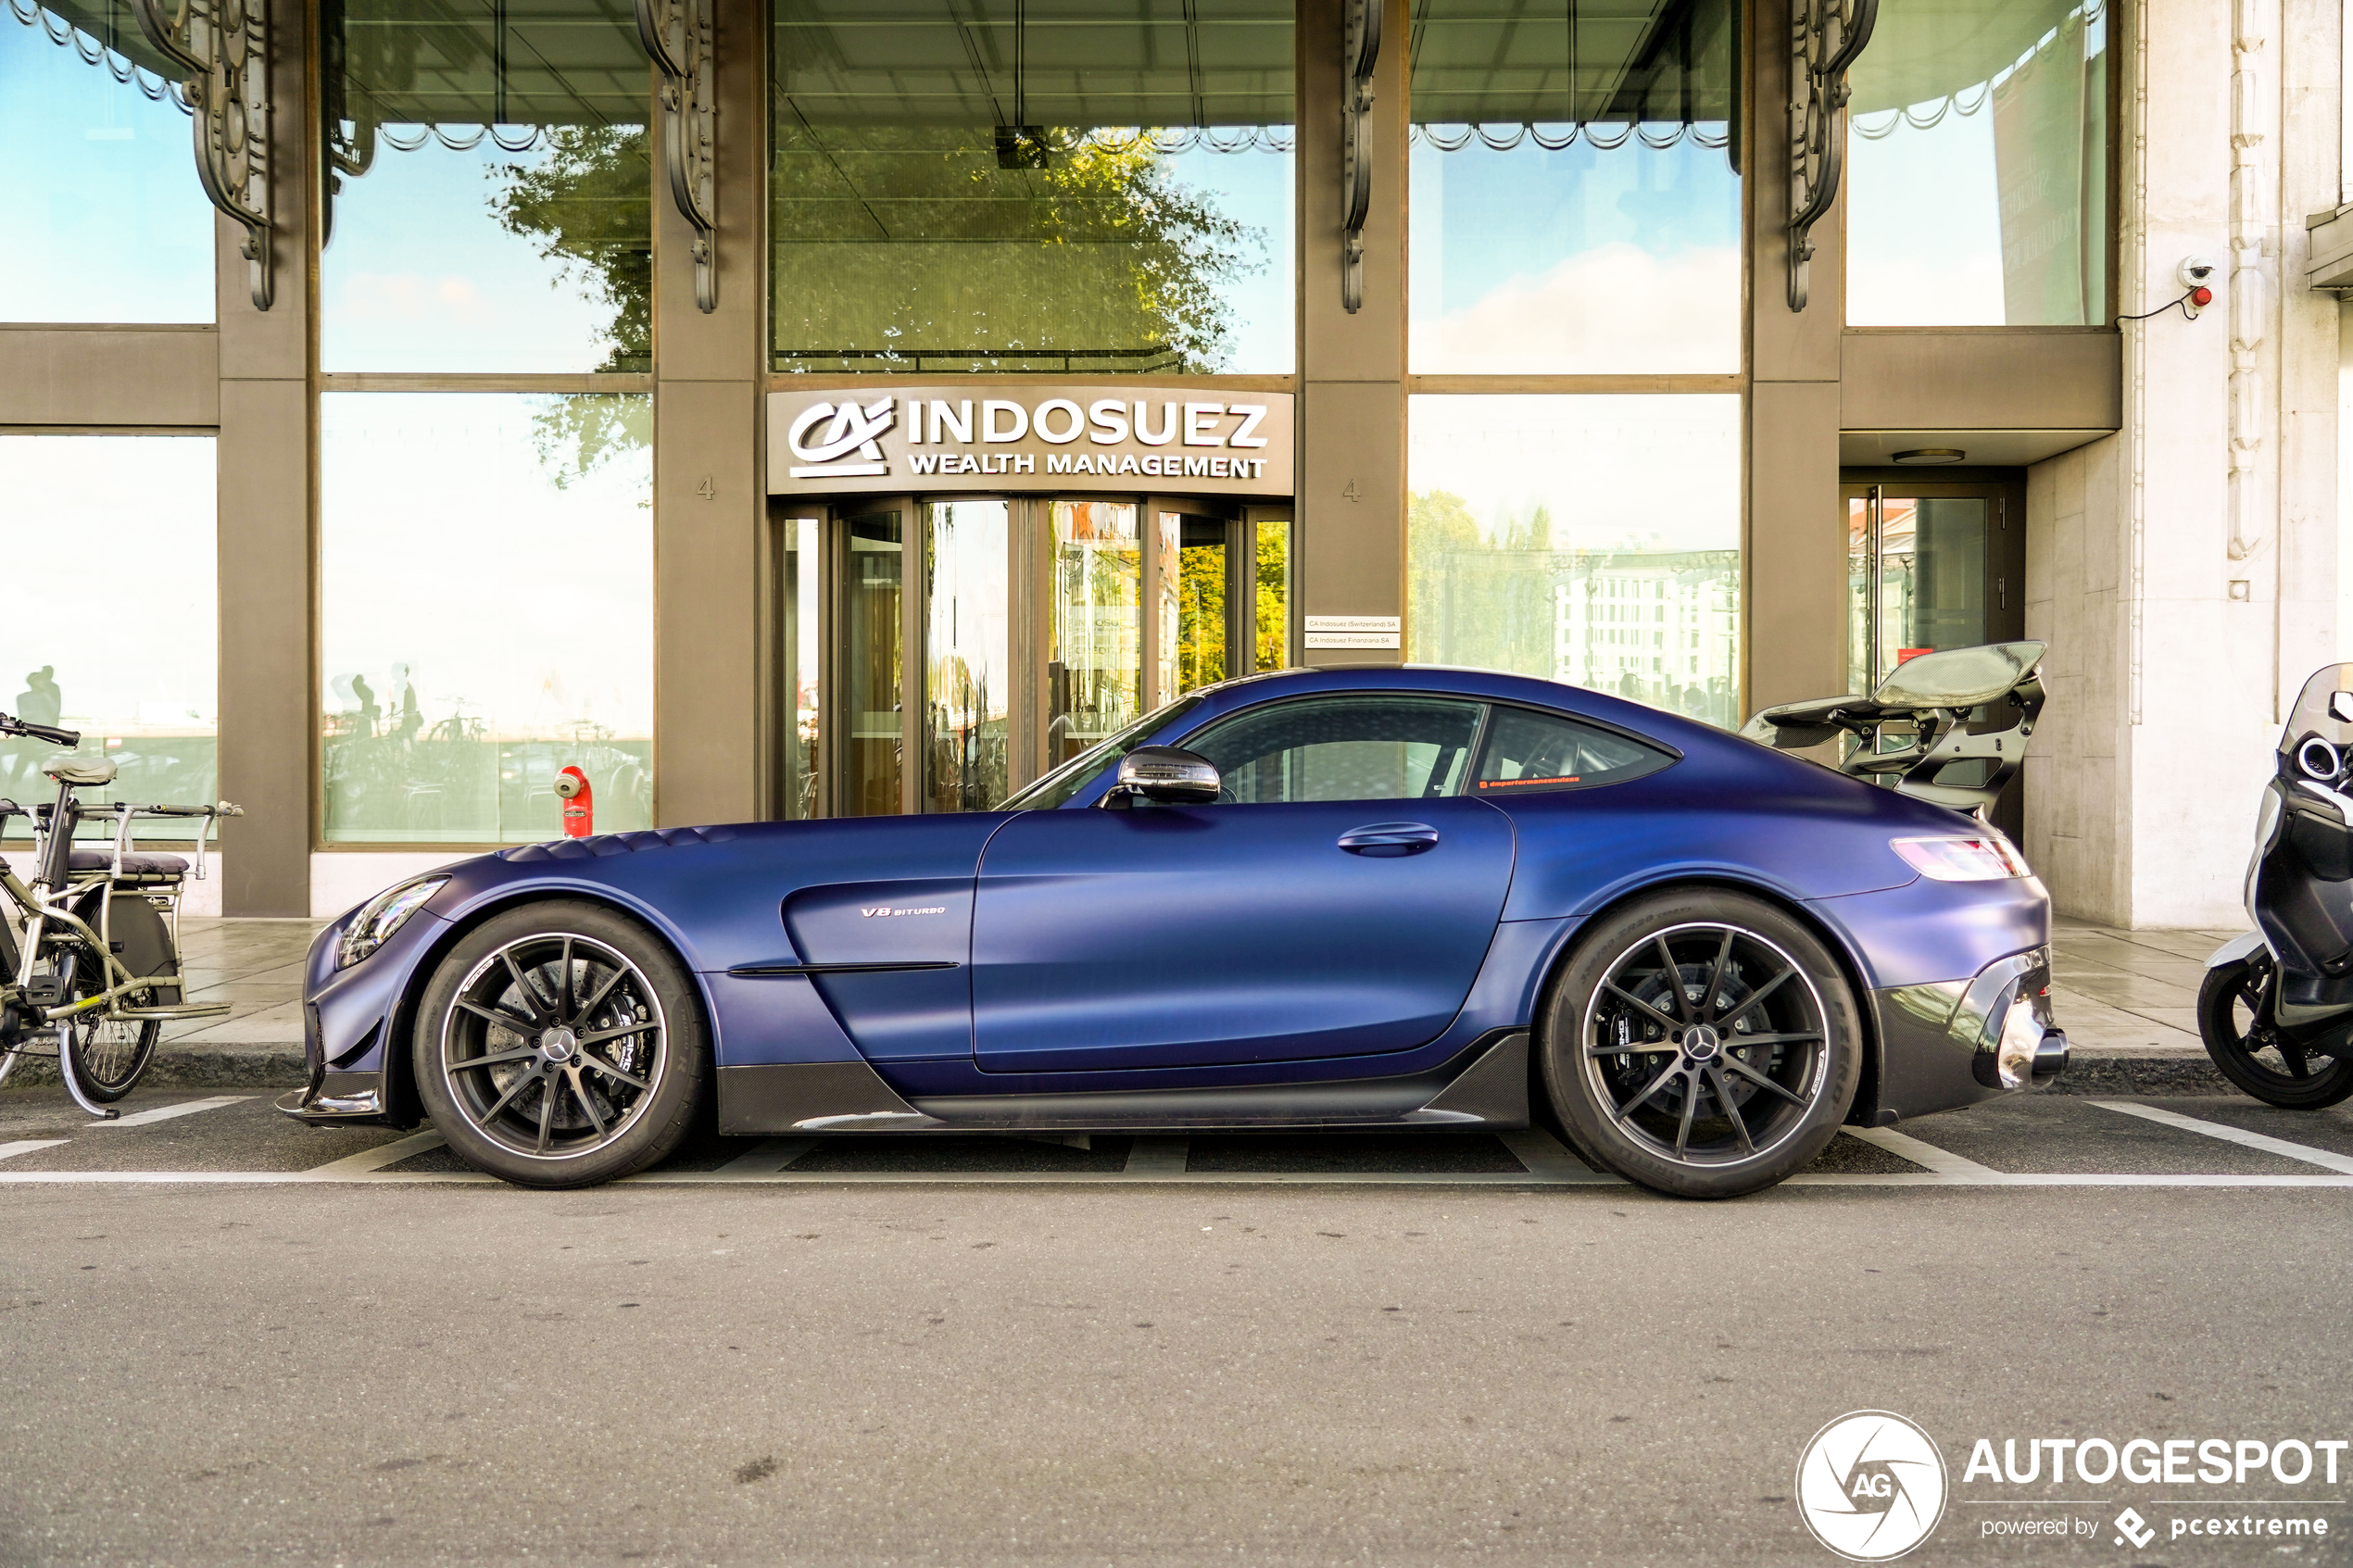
pixel 1986 858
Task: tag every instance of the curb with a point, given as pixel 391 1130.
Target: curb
pixel 2142 1075
pixel 267 1067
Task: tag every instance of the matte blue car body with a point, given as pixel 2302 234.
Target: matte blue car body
pixel 1089 903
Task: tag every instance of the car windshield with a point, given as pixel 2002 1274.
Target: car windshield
pixel 1083 768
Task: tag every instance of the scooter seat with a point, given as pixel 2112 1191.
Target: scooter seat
pixel 141 866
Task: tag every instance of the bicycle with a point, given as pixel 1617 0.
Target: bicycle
pixel 90 945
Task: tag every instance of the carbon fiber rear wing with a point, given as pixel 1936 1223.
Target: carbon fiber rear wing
pixel 1948 727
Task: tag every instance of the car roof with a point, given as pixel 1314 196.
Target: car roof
pixel 1492 685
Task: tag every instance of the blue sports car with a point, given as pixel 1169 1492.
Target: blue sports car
pixel 1329 898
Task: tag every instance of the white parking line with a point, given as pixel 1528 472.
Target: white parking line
pixel 1190 1178
pixel 768 1156
pixel 26 1146
pixel 1925 1155
pixel 2319 1157
pixel 1158 1157
pixel 376 1159
pixel 165 1112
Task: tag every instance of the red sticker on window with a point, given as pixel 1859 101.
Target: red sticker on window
pixel 1519 784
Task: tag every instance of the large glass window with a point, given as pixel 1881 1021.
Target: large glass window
pixel 106 221
pixel 486 564
pixel 134 515
pixel 1576 198
pixel 1594 540
pixel 489 190
pixel 1044 186
pixel 1977 166
pixel 1095 668
pixel 968 673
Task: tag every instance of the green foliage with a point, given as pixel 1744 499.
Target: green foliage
pixel 589 205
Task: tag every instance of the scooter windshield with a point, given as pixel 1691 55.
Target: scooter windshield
pixel 2323 710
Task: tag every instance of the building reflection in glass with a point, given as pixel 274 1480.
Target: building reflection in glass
pixel 968 665
pixel 1095 668
pixel 1588 539
pixel 485 614
pixel 138 688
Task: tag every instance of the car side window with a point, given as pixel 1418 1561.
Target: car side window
pixel 1353 747
pixel 1527 751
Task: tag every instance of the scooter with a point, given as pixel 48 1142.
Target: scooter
pixel 2276 1008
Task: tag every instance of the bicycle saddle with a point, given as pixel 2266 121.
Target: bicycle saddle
pixel 80 771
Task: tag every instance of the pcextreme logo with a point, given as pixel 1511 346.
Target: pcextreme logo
pixel 1870 1485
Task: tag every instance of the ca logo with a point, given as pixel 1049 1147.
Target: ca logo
pixel 1870 1485
pixel 848 427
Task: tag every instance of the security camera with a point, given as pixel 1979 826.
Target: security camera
pixel 2197 274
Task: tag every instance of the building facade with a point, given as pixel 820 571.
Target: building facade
pixel 804 408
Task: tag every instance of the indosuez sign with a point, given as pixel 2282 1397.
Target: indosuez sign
pixel 1028 436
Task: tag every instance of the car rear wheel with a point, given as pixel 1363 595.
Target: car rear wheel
pixel 560 1044
pixel 1701 1042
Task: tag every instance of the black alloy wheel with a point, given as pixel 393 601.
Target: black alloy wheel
pixel 1701 1043
pixel 560 1044
pixel 2234 1019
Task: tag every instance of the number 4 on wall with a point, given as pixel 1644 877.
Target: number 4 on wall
pixel 705 489
pixel 1350 493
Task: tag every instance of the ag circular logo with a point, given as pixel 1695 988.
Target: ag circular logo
pixel 1870 1485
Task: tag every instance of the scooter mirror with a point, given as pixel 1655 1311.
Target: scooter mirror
pixel 2341 706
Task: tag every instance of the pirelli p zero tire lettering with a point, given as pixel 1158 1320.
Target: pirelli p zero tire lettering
pixel 1701 1042
pixel 559 1045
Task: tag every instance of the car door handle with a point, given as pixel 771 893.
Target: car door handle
pixel 1387 840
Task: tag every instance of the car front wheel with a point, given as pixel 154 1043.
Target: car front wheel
pixel 1701 1042
pixel 560 1044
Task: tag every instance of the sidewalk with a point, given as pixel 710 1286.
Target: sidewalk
pixel 2128 1000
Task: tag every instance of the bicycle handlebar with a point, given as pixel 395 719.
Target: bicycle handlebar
pixel 9 726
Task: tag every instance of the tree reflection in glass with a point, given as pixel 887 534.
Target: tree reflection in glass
pixel 960 186
pixel 490 203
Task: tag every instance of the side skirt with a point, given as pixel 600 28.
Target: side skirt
pixel 1484 1086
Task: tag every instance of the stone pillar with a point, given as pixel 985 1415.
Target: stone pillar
pixel 1350 465
pixel 269 706
pixel 711 741
pixel 2184 570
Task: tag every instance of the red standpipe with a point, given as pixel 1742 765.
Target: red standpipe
pixel 580 803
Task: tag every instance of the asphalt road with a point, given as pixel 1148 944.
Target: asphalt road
pixel 933 1372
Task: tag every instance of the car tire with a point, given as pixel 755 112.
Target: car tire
pixel 2241 1049
pixel 1722 1080
pixel 550 1084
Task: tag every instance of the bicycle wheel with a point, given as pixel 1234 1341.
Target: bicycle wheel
pixel 108 1054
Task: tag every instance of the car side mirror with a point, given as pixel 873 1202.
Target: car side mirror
pixel 1168 774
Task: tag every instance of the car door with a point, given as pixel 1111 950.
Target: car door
pixel 1337 903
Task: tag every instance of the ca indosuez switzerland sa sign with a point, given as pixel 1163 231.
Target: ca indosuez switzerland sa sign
pixel 1033 436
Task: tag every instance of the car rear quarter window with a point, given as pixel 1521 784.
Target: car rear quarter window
pixel 1527 752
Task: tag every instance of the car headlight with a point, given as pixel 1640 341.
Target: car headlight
pixel 1979 858
pixel 382 915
